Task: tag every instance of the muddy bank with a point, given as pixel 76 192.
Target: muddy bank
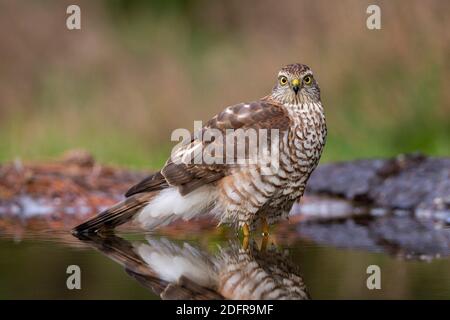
pixel 78 186
pixel 61 192
pixel 400 206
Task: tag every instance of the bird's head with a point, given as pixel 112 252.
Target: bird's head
pixel 296 85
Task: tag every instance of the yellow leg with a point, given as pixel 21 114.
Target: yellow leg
pixel 246 232
pixel 265 227
pixel 245 243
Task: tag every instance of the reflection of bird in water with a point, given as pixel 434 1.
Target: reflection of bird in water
pixel 185 272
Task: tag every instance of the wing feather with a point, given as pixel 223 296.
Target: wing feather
pixel 183 172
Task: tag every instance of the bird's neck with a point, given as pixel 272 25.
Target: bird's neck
pixel 306 107
pixel 298 106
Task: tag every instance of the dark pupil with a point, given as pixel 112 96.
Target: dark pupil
pixel 283 80
pixel 307 79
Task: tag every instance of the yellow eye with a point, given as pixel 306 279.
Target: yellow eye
pixel 283 80
pixel 307 79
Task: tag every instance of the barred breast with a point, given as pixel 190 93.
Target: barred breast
pixel 263 275
pixel 256 191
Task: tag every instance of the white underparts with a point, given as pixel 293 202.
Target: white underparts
pixel 170 262
pixel 170 205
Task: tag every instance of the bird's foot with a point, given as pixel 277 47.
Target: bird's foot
pixel 265 235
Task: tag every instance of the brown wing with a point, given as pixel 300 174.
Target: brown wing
pixel 152 183
pixel 183 171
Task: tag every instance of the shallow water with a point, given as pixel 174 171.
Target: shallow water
pixel 34 266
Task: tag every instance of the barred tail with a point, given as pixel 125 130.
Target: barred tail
pixel 116 215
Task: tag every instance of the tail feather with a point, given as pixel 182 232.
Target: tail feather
pixel 116 215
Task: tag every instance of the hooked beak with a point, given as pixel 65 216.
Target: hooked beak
pixel 296 85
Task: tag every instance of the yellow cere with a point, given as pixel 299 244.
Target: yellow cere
pixel 295 82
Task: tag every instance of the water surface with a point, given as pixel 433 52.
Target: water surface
pixel 33 266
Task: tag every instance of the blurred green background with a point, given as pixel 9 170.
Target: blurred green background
pixel 139 69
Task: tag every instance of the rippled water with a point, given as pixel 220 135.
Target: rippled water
pixel 136 266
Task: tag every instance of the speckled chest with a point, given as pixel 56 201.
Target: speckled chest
pixel 248 193
pixel 304 142
pixel 300 152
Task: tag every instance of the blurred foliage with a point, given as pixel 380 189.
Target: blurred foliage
pixel 139 69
